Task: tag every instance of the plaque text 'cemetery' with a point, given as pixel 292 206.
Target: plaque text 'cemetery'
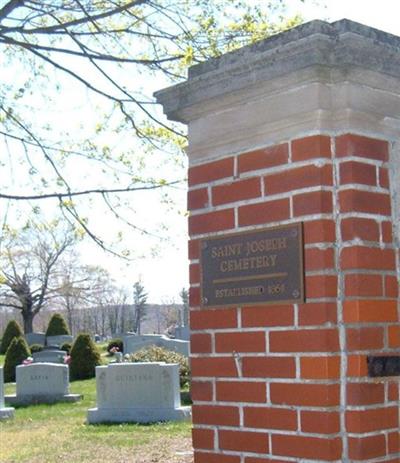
pixel 257 267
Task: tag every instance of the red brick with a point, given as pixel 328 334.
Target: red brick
pixel 265 460
pixel 365 393
pixel 264 158
pixel 320 422
pixel 216 415
pixel 364 338
pixel 319 340
pixel 320 367
pixel 211 171
pixel 316 146
pixel 267 212
pixel 364 201
pixel 317 313
pixel 394 336
pixel 203 438
pixel 370 311
pixel 368 285
pixel 378 419
pixel 315 448
pixel 211 222
pixel 200 457
pixel 358 228
pixel 365 448
pixel 360 146
pixel 363 257
pixel 319 231
pixel 240 342
pixel 194 296
pixel 197 199
pixel 387 232
pixel 394 443
pixel 357 172
pixel 357 365
pixel 269 367
pixel 200 343
pixel 193 249
pixel 201 390
pixel 391 286
pixel 243 441
pixel 316 202
pixel 318 259
pixel 394 391
pixel 308 395
pixel 194 273
pixel 295 179
pixel 272 418
pixel 236 191
pixel 213 367
pixel 241 391
pixel 318 286
pixel 206 319
pixel 274 315
pixel 383 177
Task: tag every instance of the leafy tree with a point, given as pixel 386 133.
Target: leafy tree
pixel 13 330
pixel 16 353
pixel 139 302
pixel 29 266
pixel 108 56
pixel 57 326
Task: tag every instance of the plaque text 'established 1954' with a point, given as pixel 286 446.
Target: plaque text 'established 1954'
pixel 257 267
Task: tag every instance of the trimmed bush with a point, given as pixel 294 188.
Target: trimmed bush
pixel 84 358
pixel 13 330
pixel 159 354
pixel 117 342
pixel 35 348
pixel 17 352
pixel 57 326
pixel 67 346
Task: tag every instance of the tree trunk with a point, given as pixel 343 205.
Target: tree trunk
pixel 28 322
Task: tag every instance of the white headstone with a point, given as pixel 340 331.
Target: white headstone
pixel 42 383
pixel 138 392
pixel 59 340
pixel 49 356
pixel 134 343
pixel 5 412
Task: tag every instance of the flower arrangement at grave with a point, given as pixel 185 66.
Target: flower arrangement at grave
pixel 27 361
pixel 67 359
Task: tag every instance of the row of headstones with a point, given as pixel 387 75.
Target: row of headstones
pixel 126 392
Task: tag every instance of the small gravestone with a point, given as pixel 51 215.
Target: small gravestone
pixel 5 412
pixel 58 341
pixel 42 383
pixel 35 338
pixel 138 392
pixel 49 356
pixel 133 343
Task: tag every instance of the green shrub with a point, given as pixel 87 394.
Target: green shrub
pixel 35 348
pixel 13 330
pixel 159 354
pixel 84 358
pixel 17 352
pixel 117 342
pixel 67 346
pixel 57 326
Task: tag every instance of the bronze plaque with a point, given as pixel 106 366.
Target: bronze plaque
pixel 256 267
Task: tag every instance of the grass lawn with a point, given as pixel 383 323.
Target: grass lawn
pixel 58 434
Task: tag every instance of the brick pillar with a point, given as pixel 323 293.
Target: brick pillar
pixel 302 128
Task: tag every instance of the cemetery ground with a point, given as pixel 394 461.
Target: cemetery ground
pixel 59 433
